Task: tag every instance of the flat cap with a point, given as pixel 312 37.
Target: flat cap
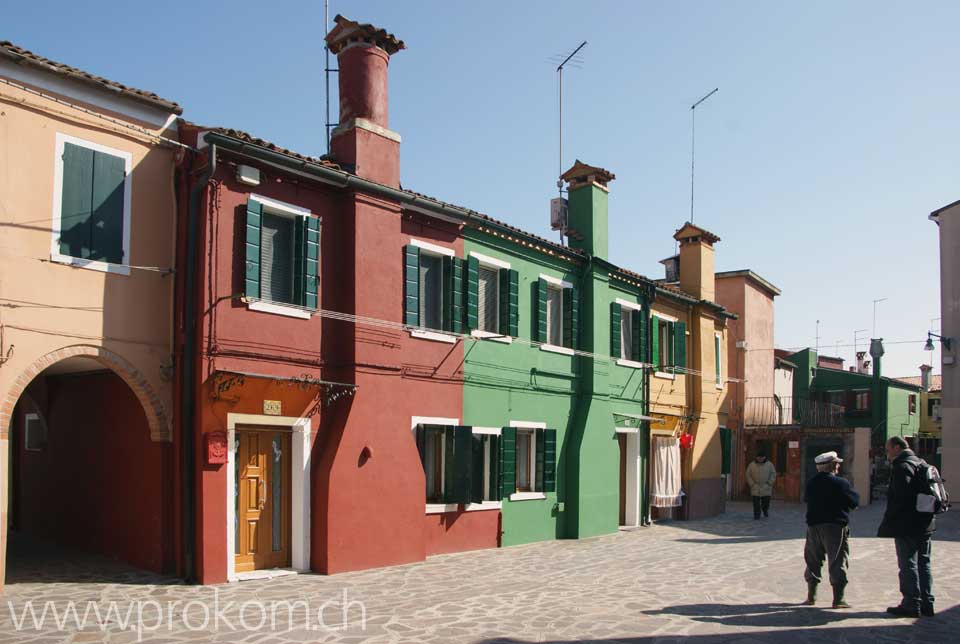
pixel 827 457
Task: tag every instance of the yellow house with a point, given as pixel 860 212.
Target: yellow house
pixel 692 399
pixel 87 209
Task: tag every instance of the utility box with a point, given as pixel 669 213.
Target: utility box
pixel 558 213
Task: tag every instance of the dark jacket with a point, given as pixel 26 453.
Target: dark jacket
pixel 829 499
pixel 901 518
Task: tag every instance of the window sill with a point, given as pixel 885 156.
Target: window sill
pixel 665 376
pixel 528 496
pixel 90 264
pixel 552 348
pixel 487 335
pixel 441 508
pixel 633 364
pixel 433 335
pixel 486 505
pixel 278 309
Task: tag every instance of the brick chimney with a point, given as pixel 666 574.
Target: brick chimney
pixel 697 277
pixel 587 216
pixel 925 370
pixel 363 138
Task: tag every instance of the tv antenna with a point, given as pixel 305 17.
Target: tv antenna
pixel 693 142
pixel 327 70
pixel 574 61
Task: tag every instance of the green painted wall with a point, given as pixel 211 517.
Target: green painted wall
pixel 575 395
pixel 588 215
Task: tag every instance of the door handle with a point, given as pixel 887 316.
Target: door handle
pixel 263 493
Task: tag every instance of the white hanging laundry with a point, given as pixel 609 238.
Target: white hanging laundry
pixel 665 491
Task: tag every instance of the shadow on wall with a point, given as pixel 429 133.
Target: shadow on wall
pixel 796 624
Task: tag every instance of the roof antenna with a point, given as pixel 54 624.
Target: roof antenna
pixel 326 69
pixel 693 142
pixel 575 61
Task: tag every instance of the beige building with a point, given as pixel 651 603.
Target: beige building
pixel 948 219
pixel 87 209
pixel 693 399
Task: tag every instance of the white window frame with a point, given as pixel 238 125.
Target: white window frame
pixel 662 317
pixel 283 209
pixel 492 263
pixel 487 467
pixel 28 420
pixel 424 333
pixel 435 508
pixel 535 427
pixel 56 256
pixel 718 344
pixel 496 314
pixel 634 309
pixel 856 399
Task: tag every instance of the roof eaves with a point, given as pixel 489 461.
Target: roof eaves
pixel 22 56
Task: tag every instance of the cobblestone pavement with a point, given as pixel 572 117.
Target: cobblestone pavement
pixel 726 579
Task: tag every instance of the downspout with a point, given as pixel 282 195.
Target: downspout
pixel 645 442
pixel 189 369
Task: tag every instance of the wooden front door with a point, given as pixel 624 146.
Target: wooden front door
pixel 262 499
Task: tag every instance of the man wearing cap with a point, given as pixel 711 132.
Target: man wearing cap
pixel 829 499
pixel 911 531
pixel 761 475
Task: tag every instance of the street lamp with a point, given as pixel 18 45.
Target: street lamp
pixel 929 345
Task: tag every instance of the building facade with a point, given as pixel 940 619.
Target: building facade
pixel 86 257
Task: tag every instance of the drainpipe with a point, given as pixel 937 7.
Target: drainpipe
pixel 649 296
pixel 189 370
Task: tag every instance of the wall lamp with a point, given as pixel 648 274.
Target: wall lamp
pixel 929 345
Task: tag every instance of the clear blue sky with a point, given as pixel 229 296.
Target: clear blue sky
pixel 833 135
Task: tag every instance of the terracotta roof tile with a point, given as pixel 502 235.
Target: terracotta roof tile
pixel 23 56
pixel 703 232
pixel 263 143
pixel 936 381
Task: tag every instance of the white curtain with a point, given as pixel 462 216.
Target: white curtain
pixel 665 491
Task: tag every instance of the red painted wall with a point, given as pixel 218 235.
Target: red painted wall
pixel 460 531
pixel 98 484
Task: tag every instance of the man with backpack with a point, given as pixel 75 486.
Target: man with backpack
pixel 910 528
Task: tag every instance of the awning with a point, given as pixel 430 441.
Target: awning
pixel 617 414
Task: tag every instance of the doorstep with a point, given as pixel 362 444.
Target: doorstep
pixel 265 574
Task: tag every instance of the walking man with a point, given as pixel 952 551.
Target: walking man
pixel 911 532
pixel 829 499
pixel 761 475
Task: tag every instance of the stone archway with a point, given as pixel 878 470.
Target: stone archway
pixel 157 418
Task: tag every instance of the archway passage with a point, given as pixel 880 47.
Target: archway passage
pixel 85 473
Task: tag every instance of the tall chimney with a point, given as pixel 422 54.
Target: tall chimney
pixel 697 277
pixel 587 216
pixel 876 352
pixel 925 370
pixel 363 138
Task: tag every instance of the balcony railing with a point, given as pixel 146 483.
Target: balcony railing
pixel 773 410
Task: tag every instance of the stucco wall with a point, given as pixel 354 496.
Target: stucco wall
pixel 949 221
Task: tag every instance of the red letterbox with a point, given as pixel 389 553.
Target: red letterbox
pixel 216 447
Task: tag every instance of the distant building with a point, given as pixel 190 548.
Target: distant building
pixel 928 441
pixel 948 219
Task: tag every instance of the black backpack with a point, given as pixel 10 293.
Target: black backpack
pixel 932 496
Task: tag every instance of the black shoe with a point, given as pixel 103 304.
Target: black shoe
pixel 903 611
pixel 766 515
pixel 927 611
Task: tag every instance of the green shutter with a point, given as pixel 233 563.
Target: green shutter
pixel 252 273
pixel 106 224
pixel 311 263
pixel 411 285
pixel 615 316
pixel 495 486
pixel 655 341
pixel 456 296
pixel 446 278
pixel 449 465
pixel 299 241
pixel 541 310
pixel 571 313
pixel 508 461
pixel 549 460
pixel 76 208
pixel 644 323
pixel 513 328
pixel 636 318
pixel 538 436
pixel 503 290
pixel 680 344
pixel 473 293
pixel 726 446
pixel 421 439
pixel 462 464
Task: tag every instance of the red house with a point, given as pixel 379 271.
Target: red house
pixel 299 381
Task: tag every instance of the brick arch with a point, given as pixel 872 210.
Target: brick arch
pixel 157 418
